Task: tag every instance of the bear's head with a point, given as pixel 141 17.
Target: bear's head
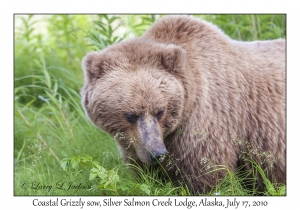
pixel 133 91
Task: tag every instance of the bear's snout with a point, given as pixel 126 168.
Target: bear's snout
pixel 150 149
pixel 158 155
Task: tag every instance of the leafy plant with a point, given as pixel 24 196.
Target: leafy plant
pixel 271 188
pixel 107 180
pixel 103 32
pixel 138 24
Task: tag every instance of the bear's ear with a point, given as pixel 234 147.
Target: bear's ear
pixel 173 58
pixel 93 66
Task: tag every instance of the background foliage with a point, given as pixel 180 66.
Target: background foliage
pixel 54 144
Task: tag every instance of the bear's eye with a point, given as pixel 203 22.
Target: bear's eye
pixel 159 114
pixel 131 117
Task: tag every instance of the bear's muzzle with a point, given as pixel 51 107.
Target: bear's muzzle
pixel 152 149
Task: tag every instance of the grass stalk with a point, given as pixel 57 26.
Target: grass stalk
pixel 40 137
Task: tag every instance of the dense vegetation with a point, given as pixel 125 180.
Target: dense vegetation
pixel 54 143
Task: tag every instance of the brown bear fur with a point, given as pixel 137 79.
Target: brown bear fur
pixel 223 101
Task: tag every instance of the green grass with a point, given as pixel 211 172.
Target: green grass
pixel 54 143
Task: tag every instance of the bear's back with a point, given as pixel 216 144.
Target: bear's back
pixel 183 31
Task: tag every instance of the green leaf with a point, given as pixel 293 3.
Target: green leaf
pixel 107 184
pixel 99 167
pixel 102 175
pixel 94 170
pixel 123 187
pixel 110 31
pixel 86 158
pixel 55 89
pixel 168 185
pixel 64 163
pixel 113 176
pixel 92 176
pixel 17 89
pixel 145 188
pixel 100 24
pixel 105 16
pixel 74 162
pixel 43 98
pixel 100 171
pixel 282 190
pixel 112 19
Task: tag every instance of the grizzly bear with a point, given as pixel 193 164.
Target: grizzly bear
pixel 188 98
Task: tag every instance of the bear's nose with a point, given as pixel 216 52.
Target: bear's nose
pixel 157 156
